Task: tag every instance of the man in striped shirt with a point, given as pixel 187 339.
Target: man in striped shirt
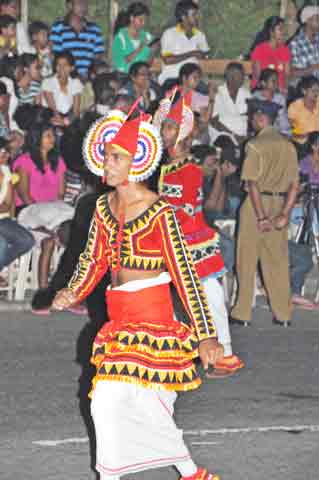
pixel 77 35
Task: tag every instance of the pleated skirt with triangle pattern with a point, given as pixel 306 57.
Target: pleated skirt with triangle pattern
pixel 143 343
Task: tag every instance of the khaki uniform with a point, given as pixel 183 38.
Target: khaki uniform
pixel 271 162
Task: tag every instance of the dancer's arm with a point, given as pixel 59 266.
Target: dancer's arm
pixel 92 266
pixel 184 276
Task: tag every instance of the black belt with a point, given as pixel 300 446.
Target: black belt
pixel 274 194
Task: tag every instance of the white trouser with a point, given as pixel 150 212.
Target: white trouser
pixel 217 305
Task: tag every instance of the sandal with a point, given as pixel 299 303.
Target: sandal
pixel 202 474
pixel 226 367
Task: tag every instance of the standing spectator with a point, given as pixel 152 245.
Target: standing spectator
pixel 230 107
pixel 267 89
pixel 62 93
pixel 272 52
pixel 29 87
pixel 131 42
pixel 39 35
pixel 304 46
pixel 12 8
pixel 77 35
pixel 270 173
pixel 182 43
pixel 7 36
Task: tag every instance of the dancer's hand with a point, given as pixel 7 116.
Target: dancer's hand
pixel 64 299
pixel 210 351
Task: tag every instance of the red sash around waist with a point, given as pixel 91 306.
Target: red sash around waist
pixel 148 304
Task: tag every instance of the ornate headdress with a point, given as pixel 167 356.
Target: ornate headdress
pixel 136 137
pixel 179 112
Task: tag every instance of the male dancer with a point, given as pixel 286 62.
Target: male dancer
pixel 142 355
pixel 181 185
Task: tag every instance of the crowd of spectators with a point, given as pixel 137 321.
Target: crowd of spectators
pixel 55 81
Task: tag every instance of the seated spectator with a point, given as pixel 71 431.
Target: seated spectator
pixel 140 85
pixel 267 89
pixel 39 35
pixel 105 88
pixel 304 46
pixel 131 42
pixel 98 67
pixel 220 163
pixel 15 144
pixel 230 107
pixel 182 43
pixel 12 8
pixel 62 92
pixel 14 239
pixel 7 36
pixel 200 133
pixel 190 79
pixel 272 52
pixel 42 183
pixel 11 72
pixel 29 86
pixel 303 113
pixel 78 36
pixel 4 106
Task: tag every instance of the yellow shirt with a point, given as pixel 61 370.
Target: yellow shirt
pixel 302 120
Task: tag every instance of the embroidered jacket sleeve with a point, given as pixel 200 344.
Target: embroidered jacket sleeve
pixel 93 262
pixel 190 178
pixel 180 267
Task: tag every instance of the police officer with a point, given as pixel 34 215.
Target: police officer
pixel 270 175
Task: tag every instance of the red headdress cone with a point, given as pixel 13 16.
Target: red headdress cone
pixel 127 137
pixel 177 110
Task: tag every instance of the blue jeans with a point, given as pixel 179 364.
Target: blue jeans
pixel 300 264
pixel 15 240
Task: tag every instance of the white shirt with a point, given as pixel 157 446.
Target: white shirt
pixel 232 115
pixel 23 41
pixel 175 42
pixel 63 101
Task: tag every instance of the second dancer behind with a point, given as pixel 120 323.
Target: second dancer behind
pixel 180 184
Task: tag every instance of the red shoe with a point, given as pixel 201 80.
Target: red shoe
pixel 226 367
pixel 202 474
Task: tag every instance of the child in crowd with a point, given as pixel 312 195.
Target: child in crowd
pixel 29 87
pixel 12 8
pixel 7 36
pixel 62 92
pixel 39 35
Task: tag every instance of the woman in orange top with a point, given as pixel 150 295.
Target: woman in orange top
pixel 303 113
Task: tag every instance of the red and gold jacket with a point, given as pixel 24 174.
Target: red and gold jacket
pixel 131 348
pixel 181 186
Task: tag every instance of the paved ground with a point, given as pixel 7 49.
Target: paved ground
pixel 42 360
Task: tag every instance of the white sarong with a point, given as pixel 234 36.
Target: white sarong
pixel 134 426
